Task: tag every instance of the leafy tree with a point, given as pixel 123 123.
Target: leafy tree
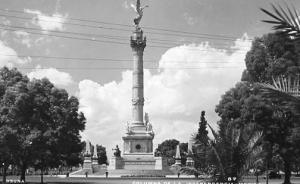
pixel 236 145
pixel 8 141
pixel 272 57
pixel 167 149
pixel 284 92
pixel 286 22
pixel 244 105
pixel 44 120
pixel 7 146
pixel 57 123
pixel 101 153
pixel 296 166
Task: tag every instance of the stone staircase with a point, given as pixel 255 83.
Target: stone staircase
pixel 139 173
pixel 95 170
pixel 81 172
pixel 101 171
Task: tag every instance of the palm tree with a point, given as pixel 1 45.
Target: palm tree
pixel 285 91
pixel 286 22
pixel 235 150
pixel 190 171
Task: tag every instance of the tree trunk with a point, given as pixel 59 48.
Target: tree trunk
pixel 42 176
pixel 287 172
pixel 4 174
pixel 267 173
pixel 23 172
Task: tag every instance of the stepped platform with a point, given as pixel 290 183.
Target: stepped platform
pixel 80 172
pixel 95 170
pixel 139 173
pixel 125 173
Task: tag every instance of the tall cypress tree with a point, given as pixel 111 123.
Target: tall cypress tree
pixel 202 137
pixel 200 155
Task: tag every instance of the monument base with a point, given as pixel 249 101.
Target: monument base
pixel 177 162
pixel 139 161
pixel 139 165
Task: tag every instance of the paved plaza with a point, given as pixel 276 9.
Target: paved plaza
pixel 61 180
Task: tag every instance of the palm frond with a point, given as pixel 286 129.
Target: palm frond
pixel 286 21
pixel 219 159
pixel 189 171
pixel 215 134
pixel 285 91
pixel 288 85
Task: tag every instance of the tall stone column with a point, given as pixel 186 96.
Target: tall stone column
pixel 138 44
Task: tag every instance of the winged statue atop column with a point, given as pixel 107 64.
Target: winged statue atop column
pixel 139 10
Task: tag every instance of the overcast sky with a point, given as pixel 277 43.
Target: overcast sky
pixel 186 73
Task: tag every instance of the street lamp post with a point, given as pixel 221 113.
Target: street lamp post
pixel 4 173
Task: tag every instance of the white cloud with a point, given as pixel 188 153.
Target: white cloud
pixel 9 57
pixel 23 37
pixel 5 22
pixel 56 77
pixel 174 97
pixel 42 40
pixel 189 19
pixel 46 22
pixel 126 4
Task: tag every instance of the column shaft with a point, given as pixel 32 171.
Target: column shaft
pixel 138 43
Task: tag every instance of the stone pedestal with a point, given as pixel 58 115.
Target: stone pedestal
pixel 138 149
pixel 190 162
pixel 115 163
pixel 139 162
pixel 161 163
pixel 87 165
pixel 177 156
pixel 138 143
pixel 95 165
pixel 95 161
pixel 178 162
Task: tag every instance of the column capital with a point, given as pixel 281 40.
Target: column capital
pixel 138 44
pixel 137 40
